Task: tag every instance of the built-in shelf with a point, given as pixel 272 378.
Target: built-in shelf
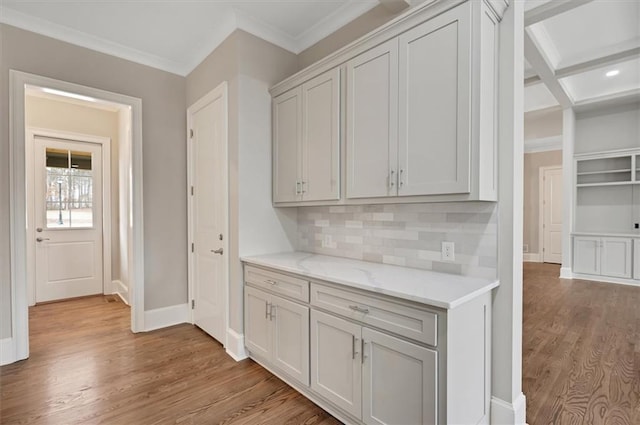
pixel 613 183
pixel 588 173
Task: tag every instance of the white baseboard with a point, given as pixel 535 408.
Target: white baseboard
pixel 166 316
pixel 7 351
pixel 566 273
pixel 505 413
pixel 120 289
pixel 531 257
pixel 235 345
pixel 606 279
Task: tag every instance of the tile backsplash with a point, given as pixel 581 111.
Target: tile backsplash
pixel 405 234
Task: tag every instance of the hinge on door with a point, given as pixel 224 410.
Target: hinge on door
pixel 191 133
pixel 193 304
pixel 193 247
pixel 191 190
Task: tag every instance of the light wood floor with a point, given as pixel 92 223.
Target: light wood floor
pixel 581 350
pixel 581 365
pixel 86 367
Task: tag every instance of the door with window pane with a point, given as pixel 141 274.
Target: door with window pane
pixel 68 219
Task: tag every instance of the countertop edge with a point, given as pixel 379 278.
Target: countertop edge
pixel 491 284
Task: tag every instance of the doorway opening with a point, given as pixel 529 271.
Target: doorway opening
pixel 42 152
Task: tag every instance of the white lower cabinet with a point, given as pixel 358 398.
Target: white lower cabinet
pixel 373 376
pixel 336 368
pixel 399 382
pixel 369 358
pixel 602 256
pixel 277 330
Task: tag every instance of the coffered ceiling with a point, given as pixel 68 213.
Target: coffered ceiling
pixel 581 53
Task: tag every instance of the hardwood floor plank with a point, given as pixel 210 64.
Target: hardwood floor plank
pixel 86 367
pixel 580 350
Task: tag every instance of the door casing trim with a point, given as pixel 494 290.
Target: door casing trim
pixel 17 198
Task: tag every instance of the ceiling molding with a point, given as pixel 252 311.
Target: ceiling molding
pixel 540 63
pixel 224 30
pixel 232 21
pixel 598 62
pixel 543 144
pixel 333 22
pixel 551 9
pixel 395 6
pixel 609 101
pixel 59 32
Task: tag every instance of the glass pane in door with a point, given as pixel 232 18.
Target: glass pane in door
pixel 69 190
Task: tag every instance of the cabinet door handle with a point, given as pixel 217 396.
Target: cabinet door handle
pixel 400 181
pixel 266 310
pixel 297 188
pixel 271 309
pixel 354 350
pixel 359 309
pixel 364 346
pixel 302 185
pixel 391 178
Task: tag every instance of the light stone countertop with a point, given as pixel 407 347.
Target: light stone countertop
pixel 427 287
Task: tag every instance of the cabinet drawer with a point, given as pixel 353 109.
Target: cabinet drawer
pixel 283 284
pixel 397 318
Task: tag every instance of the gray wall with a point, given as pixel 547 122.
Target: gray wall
pixel 250 66
pixel 164 129
pixel 543 123
pixel 609 129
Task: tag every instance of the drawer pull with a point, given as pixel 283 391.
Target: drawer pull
pixel 267 310
pixel 271 282
pixel 359 309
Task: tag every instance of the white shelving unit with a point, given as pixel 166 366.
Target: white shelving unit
pixel 607 209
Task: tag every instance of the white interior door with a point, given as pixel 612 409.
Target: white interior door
pixel 68 219
pixel 208 215
pixel 552 216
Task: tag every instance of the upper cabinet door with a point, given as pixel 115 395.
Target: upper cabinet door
pixel 287 132
pixel 435 106
pixel 372 122
pixel 321 137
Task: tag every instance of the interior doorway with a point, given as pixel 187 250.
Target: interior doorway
pixel 551 211
pixel 130 191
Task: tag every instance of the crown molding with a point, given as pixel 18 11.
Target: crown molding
pixel 60 32
pixel 543 144
pixel 351 10
pixel 235 19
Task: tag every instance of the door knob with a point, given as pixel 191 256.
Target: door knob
pixel 217 251
pixel 41 239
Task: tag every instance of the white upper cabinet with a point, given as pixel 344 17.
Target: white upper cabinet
pixel 372 122
pixel 434 107
pixel 287 133
pixel 306 141
pixel 420 111
pixel 321 137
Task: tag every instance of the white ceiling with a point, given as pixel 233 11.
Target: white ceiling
pixel 573 44
pixel 176 35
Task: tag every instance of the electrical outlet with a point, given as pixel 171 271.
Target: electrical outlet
pixel 326 241
pixel 448 251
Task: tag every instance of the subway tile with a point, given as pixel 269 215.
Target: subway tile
pixel 392 259
pixel 383 216
pixel 354 224
pixel 451 268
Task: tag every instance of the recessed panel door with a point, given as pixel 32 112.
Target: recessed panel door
pixel 290 329
pixel 399 381
pixel 434 107
pixel 68 219
pixel 257 327
pixel 552 216
pixel 336 370
pixel 209 215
